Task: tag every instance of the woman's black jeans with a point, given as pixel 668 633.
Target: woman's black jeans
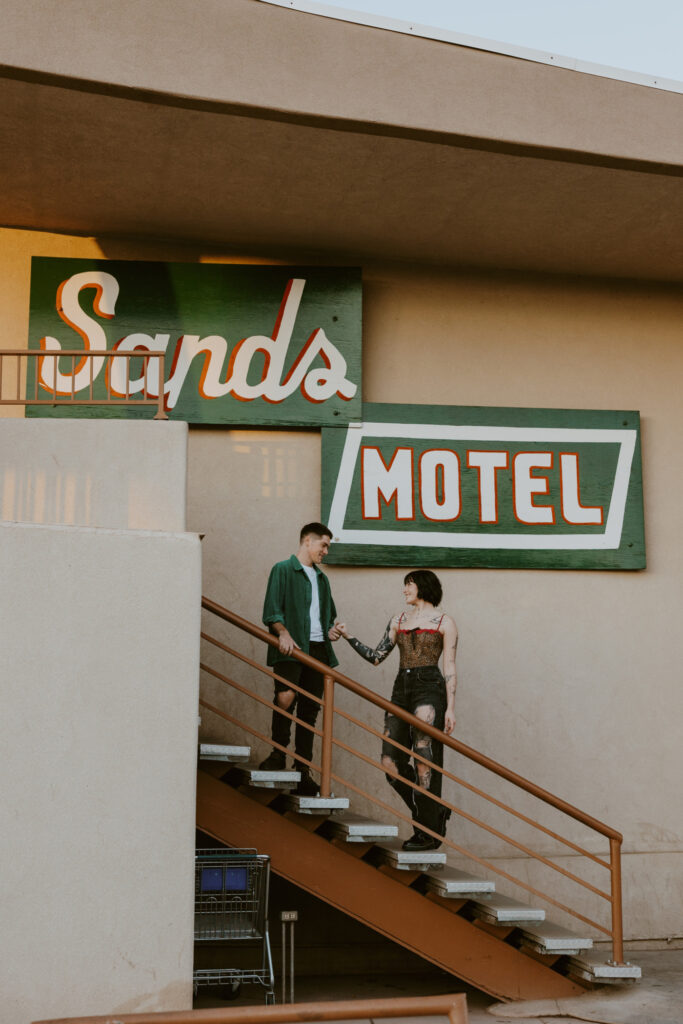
pixel 422 692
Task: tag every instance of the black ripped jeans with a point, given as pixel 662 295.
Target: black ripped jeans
pixel 302 706
pixel 422 692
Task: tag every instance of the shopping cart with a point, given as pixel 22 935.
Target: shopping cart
pixel 231 907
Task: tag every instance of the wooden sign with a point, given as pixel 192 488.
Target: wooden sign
pixel 415 485
pixel 252 345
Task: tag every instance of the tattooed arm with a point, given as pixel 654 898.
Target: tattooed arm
pixel 374 655
pixel 450 645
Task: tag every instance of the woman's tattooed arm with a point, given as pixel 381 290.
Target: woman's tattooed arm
pixel 384 647
pixel 450 646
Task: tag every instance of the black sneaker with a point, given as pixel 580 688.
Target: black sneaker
pixel 275 762
pixel 420 842
pixel 307 787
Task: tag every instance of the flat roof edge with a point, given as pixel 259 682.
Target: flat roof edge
pixel 477 43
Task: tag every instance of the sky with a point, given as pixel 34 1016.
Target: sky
pixel 634 35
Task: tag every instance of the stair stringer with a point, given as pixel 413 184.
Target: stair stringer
pixel 358 889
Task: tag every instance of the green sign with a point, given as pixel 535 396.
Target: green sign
pixel 245 345
pixel 427 485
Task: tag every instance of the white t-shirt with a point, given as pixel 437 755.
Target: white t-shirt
pixel 316 625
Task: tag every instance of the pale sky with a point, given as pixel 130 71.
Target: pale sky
pixel 635 35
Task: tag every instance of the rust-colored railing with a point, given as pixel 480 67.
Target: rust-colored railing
pixel 333 677
pixel 454 1006
pixel 47 387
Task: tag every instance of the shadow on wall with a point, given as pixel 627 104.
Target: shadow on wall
pixel 69 496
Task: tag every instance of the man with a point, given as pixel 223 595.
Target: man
pixel 299 610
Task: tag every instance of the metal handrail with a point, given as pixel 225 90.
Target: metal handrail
pixel 71 398
pixel 332 675
pixel 453 1005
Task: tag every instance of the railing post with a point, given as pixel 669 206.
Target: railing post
pixel 160 414
pixel 328 716
pixel 617 922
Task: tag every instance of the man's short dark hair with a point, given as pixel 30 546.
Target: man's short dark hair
pixel 319 529
pixel 428 585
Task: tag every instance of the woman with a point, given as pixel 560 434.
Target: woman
pixel 422 634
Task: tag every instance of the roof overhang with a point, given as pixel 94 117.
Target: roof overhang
pixel 261 129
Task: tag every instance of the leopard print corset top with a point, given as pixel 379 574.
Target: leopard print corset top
pixel 419 647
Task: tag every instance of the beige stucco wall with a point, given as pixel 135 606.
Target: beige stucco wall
pixel 99 725
pixel 570 678
pixel 99 617
pixel 117 474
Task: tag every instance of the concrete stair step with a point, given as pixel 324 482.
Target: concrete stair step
pixel 354 828
pixel 499 909
pixel 449 882
pixel 224 752
pixel 546 937
pixel 409 860
pixel 316 804
pixel 252 775
pixel 590 967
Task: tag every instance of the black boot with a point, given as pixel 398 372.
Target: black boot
pixel 275 762
pixel 306 786
pixel 420 842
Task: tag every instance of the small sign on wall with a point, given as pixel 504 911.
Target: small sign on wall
pixel 418 485
pixel 245 345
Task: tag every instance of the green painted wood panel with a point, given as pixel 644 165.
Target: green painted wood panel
pixel 415 485
pixel 245 344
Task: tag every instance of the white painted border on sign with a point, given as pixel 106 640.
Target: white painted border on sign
pixel 610 538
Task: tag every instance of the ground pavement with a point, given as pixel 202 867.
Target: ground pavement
pixel 657 999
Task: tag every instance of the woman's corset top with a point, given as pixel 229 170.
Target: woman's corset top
pixel 419 647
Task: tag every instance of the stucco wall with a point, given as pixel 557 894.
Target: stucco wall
pixel 569 678
pixel 117 474
pixel 99 724
pixel 99 617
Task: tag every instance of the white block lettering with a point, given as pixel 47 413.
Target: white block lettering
pixel 487 464
pixel 572 509
pixel 440 484
pixel 393 482
pixel 525 486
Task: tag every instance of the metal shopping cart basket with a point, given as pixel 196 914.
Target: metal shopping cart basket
pixel 231 910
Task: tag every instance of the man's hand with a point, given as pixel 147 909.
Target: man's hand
pixel 449 723
pixel 285 642
pixel 339 629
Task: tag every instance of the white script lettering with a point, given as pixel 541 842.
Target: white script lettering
pixel 316 383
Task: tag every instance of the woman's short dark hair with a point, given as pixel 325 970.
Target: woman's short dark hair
pixel 428 585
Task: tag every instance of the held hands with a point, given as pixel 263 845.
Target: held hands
pixel 339 629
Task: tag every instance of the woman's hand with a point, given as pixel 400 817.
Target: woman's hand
pixel 339 629
pixel 449 723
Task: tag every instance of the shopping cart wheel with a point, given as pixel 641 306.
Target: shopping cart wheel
pixel 230 991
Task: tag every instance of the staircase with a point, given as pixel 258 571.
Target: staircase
pixel 457 921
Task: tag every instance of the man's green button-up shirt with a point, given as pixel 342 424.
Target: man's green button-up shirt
pixel 288 600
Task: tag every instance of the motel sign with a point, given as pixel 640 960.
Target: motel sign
pixel 450 486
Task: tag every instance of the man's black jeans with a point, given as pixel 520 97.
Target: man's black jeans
pixel 306 709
